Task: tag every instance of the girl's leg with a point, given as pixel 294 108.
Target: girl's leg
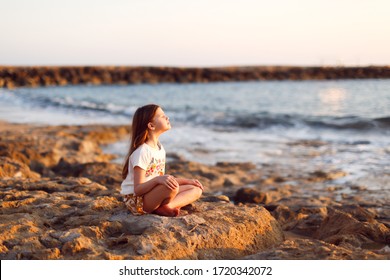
pixel 187 194
pixel 160 196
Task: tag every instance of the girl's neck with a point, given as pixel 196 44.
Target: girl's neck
pixel 153 141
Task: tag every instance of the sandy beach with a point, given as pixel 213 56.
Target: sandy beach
pixel 59 195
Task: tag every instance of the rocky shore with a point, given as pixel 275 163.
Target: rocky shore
pixel 59 199
pixel 34 76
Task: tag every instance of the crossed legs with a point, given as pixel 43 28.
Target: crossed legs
pixel 166 202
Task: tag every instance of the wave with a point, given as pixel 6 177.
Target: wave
pixel 383 122
pixel 68 103
pixel 267 120
pixel 352 123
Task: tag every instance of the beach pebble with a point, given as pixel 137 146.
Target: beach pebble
pixel 249 195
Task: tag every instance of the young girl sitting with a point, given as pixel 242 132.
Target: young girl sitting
pixel 145 187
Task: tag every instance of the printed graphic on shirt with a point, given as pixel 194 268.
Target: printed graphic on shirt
pixel 156 167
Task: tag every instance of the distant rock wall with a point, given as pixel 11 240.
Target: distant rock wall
pixel 12 77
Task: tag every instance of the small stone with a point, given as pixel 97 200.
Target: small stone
pixel 249 195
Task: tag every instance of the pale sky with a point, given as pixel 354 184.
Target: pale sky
pixel 195 33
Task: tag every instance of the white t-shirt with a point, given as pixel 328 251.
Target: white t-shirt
pixel 149 159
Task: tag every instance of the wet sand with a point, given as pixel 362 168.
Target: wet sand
pixel 59 195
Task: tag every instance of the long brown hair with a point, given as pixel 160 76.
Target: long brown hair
pixel 139 131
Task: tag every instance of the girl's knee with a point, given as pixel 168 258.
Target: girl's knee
pixel 169 192
pixel 196 190
pixel 199 191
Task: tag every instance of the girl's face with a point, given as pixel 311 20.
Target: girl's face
pixel 160 121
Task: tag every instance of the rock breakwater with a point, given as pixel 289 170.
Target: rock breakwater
pixel 35 76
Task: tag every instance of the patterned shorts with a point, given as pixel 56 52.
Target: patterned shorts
pixel 135 204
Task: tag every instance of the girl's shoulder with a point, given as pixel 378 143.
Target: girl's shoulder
pixel 144 148
pixel 141 154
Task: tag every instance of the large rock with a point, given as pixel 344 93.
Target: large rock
pixel 215 231
pixel 57 148
pixel 10 168
pixel 304 221
pixel 76 218
pixel 342 228
pixel 309 249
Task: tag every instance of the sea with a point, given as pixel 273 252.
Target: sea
pixel 309 125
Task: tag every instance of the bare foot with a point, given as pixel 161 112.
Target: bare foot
pixel 165 210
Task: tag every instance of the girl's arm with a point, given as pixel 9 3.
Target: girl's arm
pixel 184 181
pixel 141 187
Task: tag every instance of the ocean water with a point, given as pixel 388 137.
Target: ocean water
pixel 261 122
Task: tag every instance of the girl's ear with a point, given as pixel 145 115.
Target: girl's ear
pixel 150 126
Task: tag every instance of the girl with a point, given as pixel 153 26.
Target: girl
pixel 146 188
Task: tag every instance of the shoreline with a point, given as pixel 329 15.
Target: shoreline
pixel 36 76
pixel 65 169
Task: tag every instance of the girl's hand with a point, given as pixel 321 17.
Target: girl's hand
pixel 168 181
pixel 196 183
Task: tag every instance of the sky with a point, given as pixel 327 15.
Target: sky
pixel 198 33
